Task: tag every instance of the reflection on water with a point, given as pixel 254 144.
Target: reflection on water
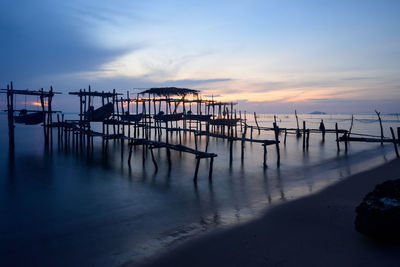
pixel 69 207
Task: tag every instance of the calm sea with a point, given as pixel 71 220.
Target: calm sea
pixel 63 208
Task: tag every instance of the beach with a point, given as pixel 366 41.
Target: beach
pixel 316 230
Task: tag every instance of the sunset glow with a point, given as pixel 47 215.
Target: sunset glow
pixel 38 104
pixel 300 53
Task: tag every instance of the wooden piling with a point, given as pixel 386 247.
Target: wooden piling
pixel 380 124
pixel 211 168
pixel 255 119
pixel 284 141
pixel 242 145
pixel 276 130
pixel 304 135
pixel 337 136
pixel 10 109
pixel 398 135
pixel 197 168
pixel 394 142
pixel 298 134
pixel 265 156
pixel 231 146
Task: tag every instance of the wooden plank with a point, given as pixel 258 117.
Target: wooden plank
pixel 267 142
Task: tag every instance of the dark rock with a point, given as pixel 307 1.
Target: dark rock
pixel 378 215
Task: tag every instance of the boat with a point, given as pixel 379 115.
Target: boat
pixel 224 122
pixel 169 117
pixel 101 113
pixel 132 117
pixel 29 118
pixel 197 117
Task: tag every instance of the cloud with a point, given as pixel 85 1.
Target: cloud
pixel 356 78
pixel 195 82
pixel 46 37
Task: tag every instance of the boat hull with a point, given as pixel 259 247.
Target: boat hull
pixel 30 119
pixel 134 117
pixel 101 113
pixel 169 117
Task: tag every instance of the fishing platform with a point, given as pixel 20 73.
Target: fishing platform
pixel 153 116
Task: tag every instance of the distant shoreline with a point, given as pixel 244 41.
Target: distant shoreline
pixel 317 230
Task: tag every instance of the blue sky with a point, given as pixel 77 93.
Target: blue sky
pixel 271 56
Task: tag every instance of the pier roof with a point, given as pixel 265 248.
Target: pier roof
pixel 170 91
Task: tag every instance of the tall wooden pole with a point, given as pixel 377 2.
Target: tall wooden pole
pixel 276 131
pixel 10 108
pixel 380 124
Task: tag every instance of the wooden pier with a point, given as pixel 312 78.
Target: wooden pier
pixel 155 115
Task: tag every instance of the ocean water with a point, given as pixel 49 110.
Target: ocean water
pixel 65 207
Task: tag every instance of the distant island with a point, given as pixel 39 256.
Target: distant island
pixel 318 113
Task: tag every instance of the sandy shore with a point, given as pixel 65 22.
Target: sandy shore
pixel 313 231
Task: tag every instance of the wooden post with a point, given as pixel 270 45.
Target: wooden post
pixel 245 117
pixel 211 168
pixel 10 109
pixel 65 137
pixel 145 120
pixel 80 117
pixel 46 139
pixel 169 157
pixel 265 155
pixel 304 135
pixel 242 144
pixel 276 130
pixel 380 124
pixel 394 142
pixel 297 121
pixel 195 141
pixel 308 138
pixel 62 130
pixel 398 135
pixel 351 125
pixel 58 127
pixel 235 125
pixel 337 137
pixel 240 118
pixel 50 116
pixel 284 142
pixel 231 146
pixel 322 129
pixel 255 119
pixel 197 168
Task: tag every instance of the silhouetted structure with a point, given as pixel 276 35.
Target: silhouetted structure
pixel 158 112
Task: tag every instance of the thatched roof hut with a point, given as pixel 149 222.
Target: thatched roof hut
pixel 170 91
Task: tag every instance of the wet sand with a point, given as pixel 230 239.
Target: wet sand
pixel 317 230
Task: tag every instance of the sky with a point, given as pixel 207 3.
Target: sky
pixel 271 56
